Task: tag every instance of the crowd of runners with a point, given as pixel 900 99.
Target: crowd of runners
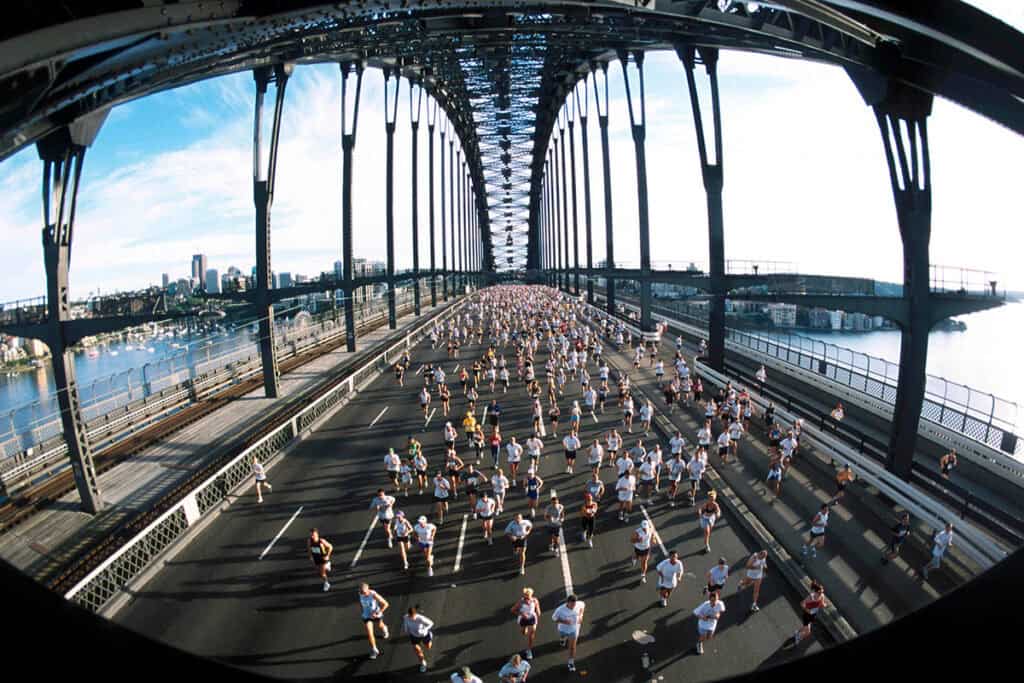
pixel 554 346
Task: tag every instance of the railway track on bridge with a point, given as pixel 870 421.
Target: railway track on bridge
pixel 23 507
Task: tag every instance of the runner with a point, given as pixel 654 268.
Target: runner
pixel 515 670
pixel 518 530
pixel 625 487
pixel 320 555
pixel 648 472
pixel 420 465
pixel 947 463
pixel 736 431
pixel 453 466
pixel 464 675
pixel 646 415
pixel 473 480
pixel 372 607
pixel 898 536
pixel 261 478
pixel 669 570
pixel 555 516
pixel 627 412
pixel 595 487
pixel 533 485
pixel 571 444
pixel 393 467
pixel 499 484
pixel 595 456
pixel 709 514
pixel 383 505
pixel 940 544
pixel 677 470
pixel 424 402
pixel 816 538
pixel 479 441
pixel 425 532
pixel 419 628
pixel 485 510
pixel 774 478
pixel 843 479
pixel 527 613
pixel 707 614
pixel 442 490
pixel 569 618
pixel 724 446
pixel 756 567
pixel 402 529
pixel 446 398
pixel 811 605
pixel 514 455
pixel 614 442
pixel 717 576
pixel 641 540
pixel 553 415
pixel 468 426
pixel 588 516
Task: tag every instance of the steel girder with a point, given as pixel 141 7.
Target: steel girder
pixel 500 69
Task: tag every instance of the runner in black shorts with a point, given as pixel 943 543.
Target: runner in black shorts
pixel 899 533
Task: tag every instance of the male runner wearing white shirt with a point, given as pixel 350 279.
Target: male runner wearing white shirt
pixel 569 618
pixel 707 615
pixel 518 530
pixel 669 572
pixel 941 543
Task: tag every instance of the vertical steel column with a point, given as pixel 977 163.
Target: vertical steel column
pixel 463 214
pixel 349 119
pixel 390 122
pixel 600 71
pixel 556 211
pixel 902 116
pixel 263 198
pixel 582 109
pixel 638 124
pixel 431 122
pixel 63 153
pixel 570 115
pixel 444 229
pixel 451 202
pixel 549 226
pixel 714 178
pixel 415 106
pixel 565 199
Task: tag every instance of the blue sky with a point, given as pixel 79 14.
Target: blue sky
pixel 170 175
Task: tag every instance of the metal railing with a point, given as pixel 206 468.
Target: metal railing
pixel 978 415
pixel 24 311
pixel 962 281
pixel 47 457
pixel 100 585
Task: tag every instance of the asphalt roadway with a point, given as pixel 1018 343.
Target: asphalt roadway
pixel 218 599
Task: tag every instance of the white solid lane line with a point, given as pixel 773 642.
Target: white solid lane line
pixel 366 539
pixel 484 418
pixel 380 415
pixel 279 533
pixel 563 554
pixel 432 411
pixel 456 369
pixel 593 416
pixel 419 369
pixel 462 539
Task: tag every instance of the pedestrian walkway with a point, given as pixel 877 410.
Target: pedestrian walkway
pixel 60 533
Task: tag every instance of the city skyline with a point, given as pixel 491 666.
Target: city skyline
pixel 188 187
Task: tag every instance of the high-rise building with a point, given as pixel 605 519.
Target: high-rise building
pixel 199 269
pixel 339 270
pixel 820 319
pixel 212 281
pixel 286 280
pixel 165 280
